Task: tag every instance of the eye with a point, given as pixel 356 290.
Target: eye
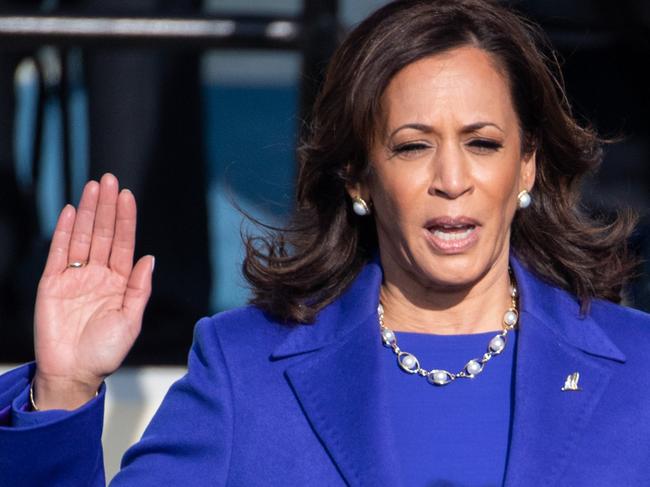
pixel 486 145
pixel 410 148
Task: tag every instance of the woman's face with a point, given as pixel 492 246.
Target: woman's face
pixel 447 170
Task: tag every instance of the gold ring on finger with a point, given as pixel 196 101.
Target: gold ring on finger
pixel 76 265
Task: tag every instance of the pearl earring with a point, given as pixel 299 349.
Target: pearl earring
pixel 524 199
pixel 359 206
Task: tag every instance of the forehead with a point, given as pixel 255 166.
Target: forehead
pixel 462 86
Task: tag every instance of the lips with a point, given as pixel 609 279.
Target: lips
pixel 451 224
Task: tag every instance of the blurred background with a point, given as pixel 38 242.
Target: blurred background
pixel 195 105
pixel 198 105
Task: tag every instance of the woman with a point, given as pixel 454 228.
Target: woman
pixel 437 214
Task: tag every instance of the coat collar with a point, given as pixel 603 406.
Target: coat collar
pixel 560 313
pixel 341 317
pixel 345 399
pixel 553 307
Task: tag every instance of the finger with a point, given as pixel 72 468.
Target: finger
pixel 83 224
pixel 104 228
pixel 57 258
pixel 121 259
pixel 138 291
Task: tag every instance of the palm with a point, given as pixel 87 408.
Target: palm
pixel 87 318
pixel 83 312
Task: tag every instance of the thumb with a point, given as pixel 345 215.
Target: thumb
pixel 138 290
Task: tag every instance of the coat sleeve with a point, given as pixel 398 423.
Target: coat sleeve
pixel 188 441
pixel 44 448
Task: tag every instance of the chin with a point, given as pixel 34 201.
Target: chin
pixel 459 270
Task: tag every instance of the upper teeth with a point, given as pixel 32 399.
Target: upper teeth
pixel 452 236
pixel 453 226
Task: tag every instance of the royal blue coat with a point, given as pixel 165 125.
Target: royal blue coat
pixel 265 404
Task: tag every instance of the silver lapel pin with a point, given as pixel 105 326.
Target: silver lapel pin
pixel 571 382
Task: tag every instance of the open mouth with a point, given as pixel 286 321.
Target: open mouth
pixel 452 232
pixel 452 235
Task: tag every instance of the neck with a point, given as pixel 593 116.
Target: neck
pixel 476 307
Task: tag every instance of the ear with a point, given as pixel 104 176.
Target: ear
pixel 353 189
pixel 357 189
pixel 528 171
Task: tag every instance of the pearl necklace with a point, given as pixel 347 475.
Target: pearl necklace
pixel 409 362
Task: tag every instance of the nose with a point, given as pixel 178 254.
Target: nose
pixel 451 175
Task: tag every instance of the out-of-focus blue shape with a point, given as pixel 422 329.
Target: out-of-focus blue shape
pixel 26 89
pixel 79 136
pixel 49 189
pixel 250 137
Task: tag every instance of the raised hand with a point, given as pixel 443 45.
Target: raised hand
pixel 91 297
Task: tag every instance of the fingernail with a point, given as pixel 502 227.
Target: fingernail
pixel 153 263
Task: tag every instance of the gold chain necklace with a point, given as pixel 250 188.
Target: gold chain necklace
pixel 439 377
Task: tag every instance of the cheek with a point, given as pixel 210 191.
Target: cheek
pixel 398 194
pixel 499 189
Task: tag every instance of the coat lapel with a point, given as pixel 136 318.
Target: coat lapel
pixel 338 386
pixel 548 422
pixel 345 399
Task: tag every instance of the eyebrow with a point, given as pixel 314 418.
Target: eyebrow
pixel 472 127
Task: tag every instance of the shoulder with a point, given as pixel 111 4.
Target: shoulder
pixel 617 316
pixel 629 328
pixel 246 330
pixel 625 327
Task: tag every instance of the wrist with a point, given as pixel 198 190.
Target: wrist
pixel 61 394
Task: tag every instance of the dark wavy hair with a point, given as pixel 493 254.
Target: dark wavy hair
pixel 295 271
